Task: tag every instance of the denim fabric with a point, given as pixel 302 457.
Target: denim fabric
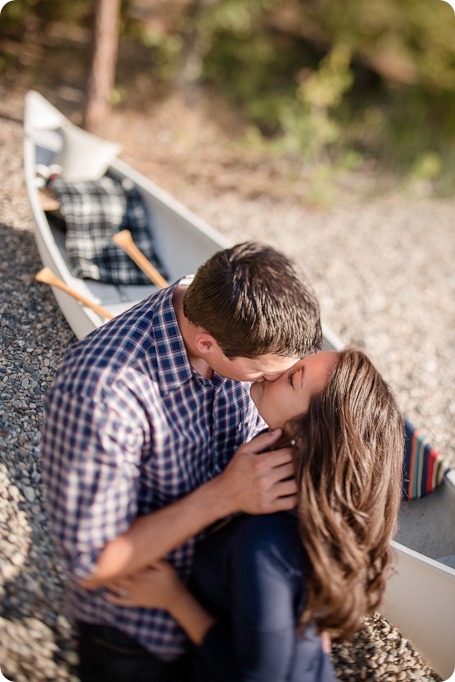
pixel 251 575
pixel 108 655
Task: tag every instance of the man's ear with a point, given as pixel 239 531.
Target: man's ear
pixel 205 343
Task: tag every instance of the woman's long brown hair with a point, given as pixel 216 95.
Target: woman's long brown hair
pixel 349 453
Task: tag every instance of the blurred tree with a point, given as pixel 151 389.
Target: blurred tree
pixel 401 61
pixel 387 66
pixel 104 59
pixel 308 125
pixel 192 50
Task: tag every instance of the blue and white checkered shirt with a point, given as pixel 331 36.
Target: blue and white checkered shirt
pixel 130 427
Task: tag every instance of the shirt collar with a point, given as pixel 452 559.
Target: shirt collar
pixel 173 365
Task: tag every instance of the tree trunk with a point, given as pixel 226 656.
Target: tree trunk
pixel 194 49
pixel 102 72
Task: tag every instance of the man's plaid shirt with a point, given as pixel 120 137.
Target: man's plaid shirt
pixel 131 427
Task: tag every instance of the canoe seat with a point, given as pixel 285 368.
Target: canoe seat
pixel 94 212
pixel 115 298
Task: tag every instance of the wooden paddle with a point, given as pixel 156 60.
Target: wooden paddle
pixel 48 200
pixel 47 276
pixel 125 240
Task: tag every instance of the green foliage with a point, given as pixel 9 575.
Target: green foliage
pixel 410 40
pixel 254 66
pixel 307 123
pixel 16 15
pixel 164 51
pixel 428 166
pixel 236 17
pixel 327 80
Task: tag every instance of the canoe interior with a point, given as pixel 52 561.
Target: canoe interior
pixel 182 240
pixel 427 525
pixel 179 245
pixel 115 298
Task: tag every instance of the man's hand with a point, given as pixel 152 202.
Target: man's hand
pixel 259 483
pixel 252 482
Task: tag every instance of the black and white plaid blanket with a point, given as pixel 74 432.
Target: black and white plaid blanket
pixel 93 213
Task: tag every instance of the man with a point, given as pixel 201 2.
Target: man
pixel 147 442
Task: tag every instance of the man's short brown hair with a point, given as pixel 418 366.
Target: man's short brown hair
pixel 252 301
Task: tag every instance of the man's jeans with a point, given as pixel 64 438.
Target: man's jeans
pixel 108 655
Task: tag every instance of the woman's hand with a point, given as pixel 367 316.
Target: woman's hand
pixel 155 587
pixel 160 587
pixel 326 642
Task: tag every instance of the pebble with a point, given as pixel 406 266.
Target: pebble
pixel 385 281
pixel 29 494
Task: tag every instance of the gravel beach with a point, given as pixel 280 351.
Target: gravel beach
pixel 382 265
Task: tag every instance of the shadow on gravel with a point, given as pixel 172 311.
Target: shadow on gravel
pixel 36 640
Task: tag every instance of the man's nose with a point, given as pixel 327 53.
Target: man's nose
pixel 272 377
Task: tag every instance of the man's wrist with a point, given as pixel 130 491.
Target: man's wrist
pixel 214 497
pixel 162 531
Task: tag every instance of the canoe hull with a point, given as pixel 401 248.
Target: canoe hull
pixel 420 598
pixel 420 602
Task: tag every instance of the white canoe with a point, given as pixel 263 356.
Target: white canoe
pixel 420 600
pixel 182 240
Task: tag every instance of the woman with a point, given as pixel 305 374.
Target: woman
pixel 263 597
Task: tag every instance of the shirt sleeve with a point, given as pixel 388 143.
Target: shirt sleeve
pixel 263 619
pixel 91 455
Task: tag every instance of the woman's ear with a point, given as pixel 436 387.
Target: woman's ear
pixel 292 432
pixel 288 437
pixel 205 343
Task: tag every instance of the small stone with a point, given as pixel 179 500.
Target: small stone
pixel 17 559
pixel 29 494
pixel 391 668
pixel 72 658
pixel 403 645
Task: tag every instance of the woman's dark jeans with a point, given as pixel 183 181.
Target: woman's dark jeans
pixel 108 655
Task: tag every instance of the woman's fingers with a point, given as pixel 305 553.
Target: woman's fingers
pixel 120 592
pixel 326 642
pixel 152 587
pixel 120 601
pixel 119 585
